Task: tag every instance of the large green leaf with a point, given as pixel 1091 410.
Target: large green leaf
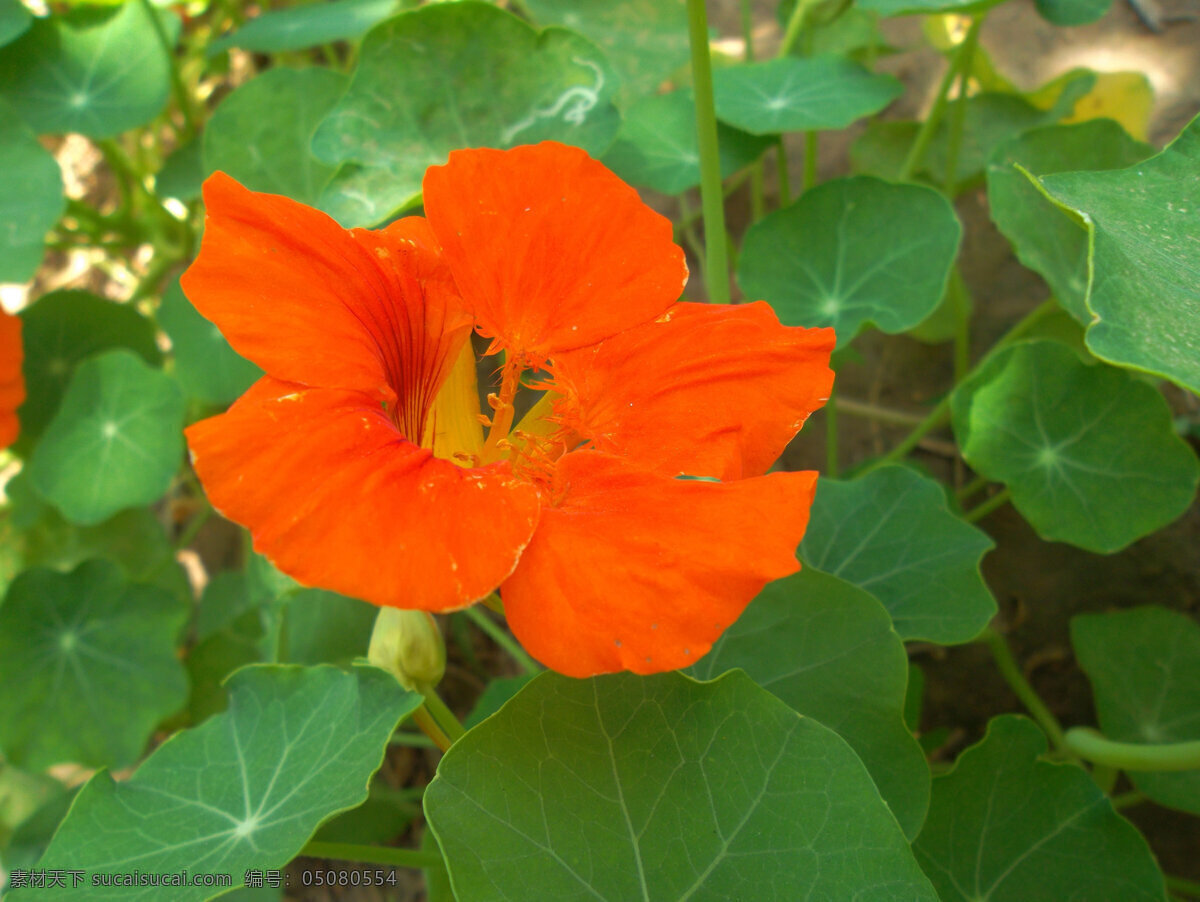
pixel 14 20
pixel 262 132
pixel 1046 241
pixel 800 94
pixel 205 365
pixel 646 40
pixel 1144 665
pixel 97 72
pixel 90 663
pixel 890 532
pixel 457 75
pixel 60 330
pixel 837 258
pixel 627 787
pixel 1006 827
pixel 246 789
pixel 1143 227
pixel 925 7
pixel 657 145
pixel 1088 452
pixel 32 199
pixel 828 650
pixel 115 442
pixel 1072 12
pixel 298 27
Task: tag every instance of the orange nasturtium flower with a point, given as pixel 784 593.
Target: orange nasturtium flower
pixel 12 381
pixel 360 464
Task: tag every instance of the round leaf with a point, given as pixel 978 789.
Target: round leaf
pixel 456 75
pixel 1046 241
pixel 91 664
pixel 1143 227
pixel 1006 827
pixel 1144 665
pixel 828 650
pixel 206 366
pixel 63 328
pixel 839 256
pixel 1072 12
pixel 657 145
pixel 246 789
pixel 660 787
pixel 799 94
pixel 96 72
pixel 646 40
pixel 1088 452
pixel 891 533
pixel 14 20
pixel 32 199
pixel 115 442
pixel 299 27
pixel 260 134
pixel 927 7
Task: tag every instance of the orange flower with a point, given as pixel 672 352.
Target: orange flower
pixel 12 381
pixel 359 463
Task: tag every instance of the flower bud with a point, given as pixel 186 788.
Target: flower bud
pixel 409 645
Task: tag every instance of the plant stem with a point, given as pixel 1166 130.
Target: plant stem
pixel 416 740
pixel 344 851
pixel 442 715
pixel 1011 671
pixel 961 305
pixel 177 85
pixel 869 411
pixel 831 433
pixel 1186 887
pixel 794 25
pixel 712 200
pixel 423 719
pixel 978 484
pixel 785 189
pixel 811 145
pixel 926 132
pixel 1127 800
pixel 976 514
pixel 965 57
pixel 747 10
pixel 1093 746
pixel 501 637
pixel 689 235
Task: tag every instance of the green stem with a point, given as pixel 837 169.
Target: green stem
pixel 747 10
pixel 711 196
pixel 811 147
pixel 177 85
pixel 966 60
pixel 976 514
pixel 344 851
pixel 976 485
pixel 870 411
pixel 501 637
pixel 1186 887
pixel 424 720
pixel 795 24
pixel 1127 800
pixel 442 715
pixel 1011 671
pixel 961 306
pixel 925 134
pixel 785 189
pixel 689 235
pixel 415 740
pixel 831 434
pixel 758 194
pixel 1133 756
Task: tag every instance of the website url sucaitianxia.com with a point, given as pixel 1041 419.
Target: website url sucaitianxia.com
pixel 75 879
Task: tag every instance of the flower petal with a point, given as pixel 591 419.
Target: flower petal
pixel 704 390
pixel 634 571
pixel 549 248
pixel 313 303
pixel 337 498
pixel 12 381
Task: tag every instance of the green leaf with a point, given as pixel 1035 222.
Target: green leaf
pixel 926 7
pixel 1144 666
pixel 495 694
pixel 246 789
pixel 205 365
pixel 96 72
pixel 31 838
pixel 836 257
pixel 261 133
pixel 828 650
pixel 60 330
pixel 1049 243
pixel 794 94
pixel 456 75
pixel 182 175
pixel 891 533
pixel 299 27
pixel 21 794
pixel 1072 12
pixel 14 20
pixel 217 655
pixel 646 40
pixel 662 788
pixel 324 627
pixel 115 442
pixel 1143 227
pixel 1088 452
pixel 657 145
pixel 95 659
pixel 32 199
pixel 1006 827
